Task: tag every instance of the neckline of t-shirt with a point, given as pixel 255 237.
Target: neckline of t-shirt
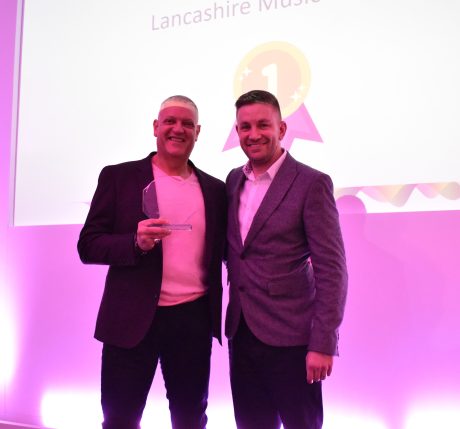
pixel 158 173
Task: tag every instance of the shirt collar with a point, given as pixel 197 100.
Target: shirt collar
pixel 270 173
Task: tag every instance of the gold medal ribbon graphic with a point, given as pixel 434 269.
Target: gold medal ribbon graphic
pixel 282 69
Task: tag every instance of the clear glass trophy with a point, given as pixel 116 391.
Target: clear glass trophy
pixel 151 210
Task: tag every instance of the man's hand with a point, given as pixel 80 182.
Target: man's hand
pixel 318 365
pixel 148 233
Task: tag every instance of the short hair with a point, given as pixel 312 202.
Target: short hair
pixel 258 96
pixel 180 99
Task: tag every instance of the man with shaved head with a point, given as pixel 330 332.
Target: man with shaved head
pixel 163 292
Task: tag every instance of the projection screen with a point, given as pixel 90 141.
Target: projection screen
pixel 369 89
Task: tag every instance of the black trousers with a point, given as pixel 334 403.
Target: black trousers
pixel 180 339
pixel 269 385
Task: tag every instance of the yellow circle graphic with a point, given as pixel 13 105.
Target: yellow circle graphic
pixel 278 67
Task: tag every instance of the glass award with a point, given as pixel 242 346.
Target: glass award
pixel 151 210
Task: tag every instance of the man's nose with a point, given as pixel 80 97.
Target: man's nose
pixel 254 134
pixel 178 127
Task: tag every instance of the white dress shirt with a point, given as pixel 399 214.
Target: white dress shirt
pixel 253 193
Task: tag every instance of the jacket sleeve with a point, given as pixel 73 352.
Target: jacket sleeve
pixel 103 239
pixel 321 222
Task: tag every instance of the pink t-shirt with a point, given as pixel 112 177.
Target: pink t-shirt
pixel 181 201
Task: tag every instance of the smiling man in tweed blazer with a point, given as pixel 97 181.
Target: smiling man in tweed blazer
pixel 287 275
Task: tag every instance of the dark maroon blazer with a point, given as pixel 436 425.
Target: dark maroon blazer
pixel 133 281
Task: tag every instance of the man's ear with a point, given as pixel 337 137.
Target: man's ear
pixel 198 129
pixel 155 126
pixel 283 129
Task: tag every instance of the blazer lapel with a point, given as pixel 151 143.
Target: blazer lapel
pixel 207 199
pixel 237 186
pixel 145 176
pixel 145 171
pixel 275 194
pixel 210 220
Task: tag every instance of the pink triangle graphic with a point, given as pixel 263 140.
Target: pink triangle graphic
pixel 299 125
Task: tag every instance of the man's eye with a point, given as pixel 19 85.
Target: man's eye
pixel 189 124
pixel 168 121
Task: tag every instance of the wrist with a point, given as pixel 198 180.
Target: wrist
pixel 137 248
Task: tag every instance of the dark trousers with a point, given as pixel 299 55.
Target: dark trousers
pixel 269 385
pixel 180 338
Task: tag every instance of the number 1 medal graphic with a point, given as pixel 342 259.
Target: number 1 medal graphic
pixel 283 70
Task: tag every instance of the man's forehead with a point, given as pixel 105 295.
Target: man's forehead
pixel 177 103
pixel 181 111
pixel 257 112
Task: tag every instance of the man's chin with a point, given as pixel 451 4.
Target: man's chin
pixel 181 155
pixel 254 153
pixel 257 160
